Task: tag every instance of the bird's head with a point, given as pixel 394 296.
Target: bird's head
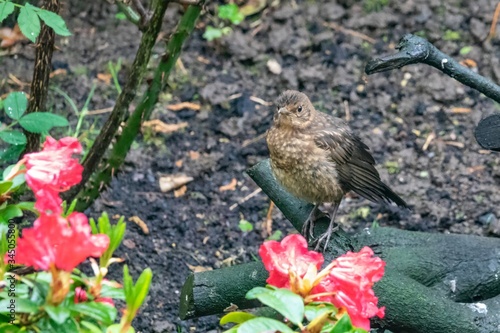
pixel 294 109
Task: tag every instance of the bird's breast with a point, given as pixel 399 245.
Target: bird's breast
pixel 304 169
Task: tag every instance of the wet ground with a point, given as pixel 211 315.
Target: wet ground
pixel 321 48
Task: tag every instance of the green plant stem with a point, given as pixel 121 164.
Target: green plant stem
pixel 130 14
pixel 122 105
pixel 144 109
pixel 40 81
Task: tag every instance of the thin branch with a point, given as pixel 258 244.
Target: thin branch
pixel 413 49
pixel 188 2
pixel 129 13
pixel 143 13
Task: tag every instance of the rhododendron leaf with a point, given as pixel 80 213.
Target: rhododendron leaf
pixel 117 328
pixel 42 122
pixel 344 325
pixel 142 287
pixel 112 292
pixel 91 328
pixel 21 305
pixel 236 317
pixel 25 205
pixel 59 314
pixel 6 327
pixel 102 312
pixel 10 212
pixel 5 186
pixel 290 305
pixel 262 324
pixel 313 310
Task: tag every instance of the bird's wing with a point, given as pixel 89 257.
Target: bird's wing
pixel 354 164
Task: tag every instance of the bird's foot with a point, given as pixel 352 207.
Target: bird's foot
pixel 308 226
pixel 325 238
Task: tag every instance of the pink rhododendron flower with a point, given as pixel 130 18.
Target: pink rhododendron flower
pixel 53 170
pixel 346 282
pixel 81 296
pixel 289 255
pixel 54 242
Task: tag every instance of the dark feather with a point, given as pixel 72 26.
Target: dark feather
pixel 354 164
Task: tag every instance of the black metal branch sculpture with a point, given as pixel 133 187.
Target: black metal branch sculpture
pixel 434 283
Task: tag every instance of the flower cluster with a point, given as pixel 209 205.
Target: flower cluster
pixel 346 282
pixel 55 241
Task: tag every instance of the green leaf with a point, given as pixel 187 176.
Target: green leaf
pixel 276 235
pixel 9 328
pixel 212 33
pixel 465 50
pixel 5 186
pixel 262 324
pixel 42 122
pixel 11 153
pixel 59 314
pixel 15 104
pixel 6 8
pixel 231 12
pixel 27 205
pixel 313 310
pixel 99 311
pixel 245 226
pixel 54 21
pixel 91 328
pixel 142 287
pixel 13 137
pixel 343 325
pixel 21 305
pixel 112 292
pixel 10 212
pixel 290 305
pixel 237 317
pixel 117 328
pixel 28 22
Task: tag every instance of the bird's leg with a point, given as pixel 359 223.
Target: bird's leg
pixel 308 226
pixel 331 229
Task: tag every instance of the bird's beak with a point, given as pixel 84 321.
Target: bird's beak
pixel 283 111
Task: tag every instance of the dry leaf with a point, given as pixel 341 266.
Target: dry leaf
pixel 229 187
pixel 198 269
pixel 181 191
pixel 172 182
pixel 137 220
pixel 159 126
pixel 460 110
pixel 59 71
pixel 184 105
pixel 203 60
pixel 475 168
pixel 130 244
pixel 252 7
pixel 179 163
pixel 106 78
pixel 10 36
pixel 194 155
pixel 468 63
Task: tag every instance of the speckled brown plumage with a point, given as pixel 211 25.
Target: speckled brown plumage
pixel 316 157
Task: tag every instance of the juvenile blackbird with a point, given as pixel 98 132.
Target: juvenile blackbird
pixel 317 158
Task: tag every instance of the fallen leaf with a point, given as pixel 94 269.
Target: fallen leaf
pixel 172 182
pixel 137 220
pixel 194 155
pixel 10 36
pixel 159 126
pixel 203 60
pixel 180 191
pixel 468 63
pixel 475 168
pixel 198 269
pixel 179 163
pixel 129 243
pixel 106 78
pixel 184 105
pixel 252 7
pixel 231 308
pixel 460 110
pixel 229 187
pixel 59 71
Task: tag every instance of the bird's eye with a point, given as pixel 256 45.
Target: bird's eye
pixel 299 109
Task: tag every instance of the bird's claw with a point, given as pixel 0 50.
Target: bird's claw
pixel 325 237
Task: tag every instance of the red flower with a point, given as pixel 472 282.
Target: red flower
pixel 351 279
pixel 52 242
pixel 53 170
pixel 81 296
pixel 289 256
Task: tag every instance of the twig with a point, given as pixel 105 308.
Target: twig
pixel 337 27
pixel 347 111
pixel 248 197
pixel 428 141
pixel 253 140
pixel 99 111
pixel 493 26
pixel 414 49
pixel 143 13
pixel 188 2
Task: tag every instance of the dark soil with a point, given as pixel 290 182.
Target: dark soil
pixel 451 186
